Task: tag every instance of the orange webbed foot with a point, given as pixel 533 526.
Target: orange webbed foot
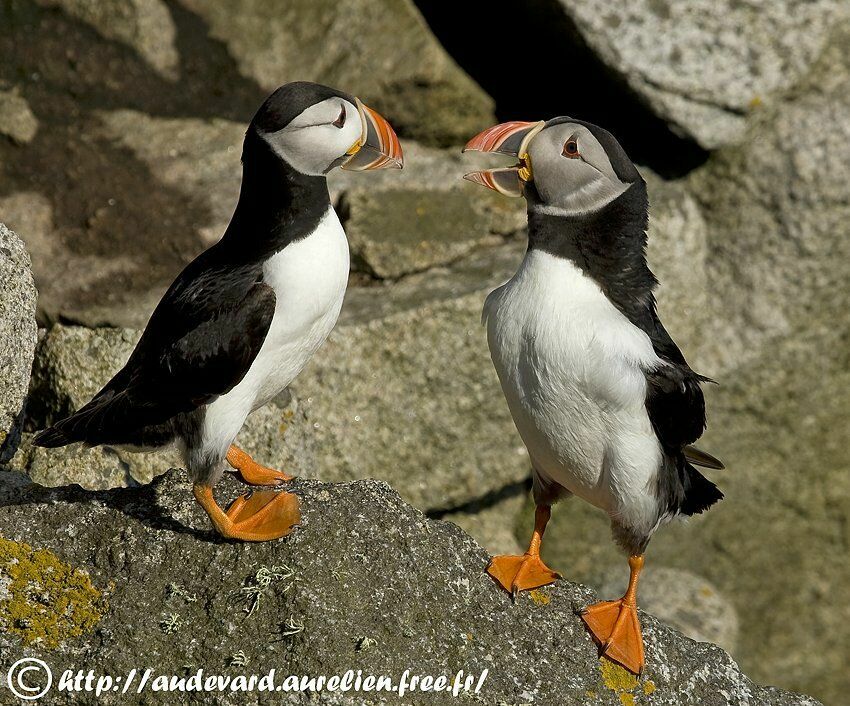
pixel 258 517
pixel 521 573
pixel 616 629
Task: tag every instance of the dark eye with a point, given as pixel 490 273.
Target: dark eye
pixel 571 149
pixel 340 121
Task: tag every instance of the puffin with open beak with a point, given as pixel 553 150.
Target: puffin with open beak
pixel 242 320
pixel 602 397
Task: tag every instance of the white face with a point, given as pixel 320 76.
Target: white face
pixel 318 137
pixel 571 170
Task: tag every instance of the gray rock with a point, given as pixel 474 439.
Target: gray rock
pixel 398 231
pixel 704 65
pixel 16 118
pixel 198 157
pixel 71 365
pixel 145 25
pixel 17 336
pixel 780 219
pixel 381 51
pixel 66 277
pixel 777 217
pixel 367 578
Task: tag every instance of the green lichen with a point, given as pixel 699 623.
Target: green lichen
pixel 170 624
pixel 257 585
pixel 44 600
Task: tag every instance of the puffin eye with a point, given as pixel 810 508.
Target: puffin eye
pixel 571 149
pixel 340 121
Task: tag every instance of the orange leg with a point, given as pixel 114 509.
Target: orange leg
pixel 261 516
pixel 522 573
pixel 252 472
pixel 615 626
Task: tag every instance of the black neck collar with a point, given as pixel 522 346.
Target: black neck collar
pixel 278 205
pixel 608 245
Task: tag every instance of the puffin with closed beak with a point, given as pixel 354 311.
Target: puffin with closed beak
pixel 602 397
pixel 242 320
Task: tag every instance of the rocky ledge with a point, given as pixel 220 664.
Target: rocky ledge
pixel 367 582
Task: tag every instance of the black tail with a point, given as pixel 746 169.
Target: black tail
pixel 94 423
pixel 700 493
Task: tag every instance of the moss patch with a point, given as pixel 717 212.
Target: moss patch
pixel 42 599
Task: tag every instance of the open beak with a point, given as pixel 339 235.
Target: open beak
pixel 378 146
pixel 507 138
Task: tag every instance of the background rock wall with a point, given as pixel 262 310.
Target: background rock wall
pixel 120 135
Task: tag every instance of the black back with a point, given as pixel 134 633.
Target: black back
pixel 209 326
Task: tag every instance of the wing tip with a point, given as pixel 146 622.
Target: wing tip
pixel 51 438
pixel 701 458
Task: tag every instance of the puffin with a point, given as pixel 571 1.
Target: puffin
pixel 241 320
pixel 602 397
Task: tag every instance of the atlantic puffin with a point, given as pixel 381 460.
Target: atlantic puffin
pixel 602 397
pixel 241 320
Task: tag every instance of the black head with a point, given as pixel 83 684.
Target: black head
pixel 575 167
pixel 315 128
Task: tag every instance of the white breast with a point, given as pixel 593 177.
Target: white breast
pixel 309 279
pixel 571 367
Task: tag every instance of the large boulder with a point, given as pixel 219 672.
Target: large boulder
pixel 381 51
pixel 429 418
pixel 367 578
pixel 144 25
pixel 398 231
pixel 704 65
pixel 17 336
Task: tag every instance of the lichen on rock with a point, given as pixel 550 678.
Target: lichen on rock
pixel 43 600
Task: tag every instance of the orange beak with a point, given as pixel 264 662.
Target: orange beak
pixel 510 138
pixel 378 146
